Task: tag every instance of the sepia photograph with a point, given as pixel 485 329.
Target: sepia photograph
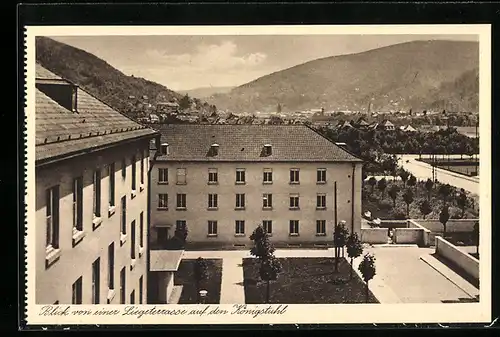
pixel 258 173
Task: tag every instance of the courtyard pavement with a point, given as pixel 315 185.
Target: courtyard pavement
pixel 402 276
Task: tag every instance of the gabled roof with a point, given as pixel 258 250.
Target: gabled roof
pixel 387 123
pixel 297 143
pixel 61 132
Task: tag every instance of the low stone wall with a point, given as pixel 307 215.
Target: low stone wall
pixel 393 224
pixel 408 235
pixel 453 225
pixel 374 235
pixel 426 235
pixel 465 261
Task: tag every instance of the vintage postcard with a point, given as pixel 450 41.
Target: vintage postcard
pixel 258 174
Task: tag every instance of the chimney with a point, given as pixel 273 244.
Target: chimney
pixel 268 150
pixel 164 149
pixel 214 149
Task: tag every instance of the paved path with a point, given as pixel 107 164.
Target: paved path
pixel 423 171
pixel 232 289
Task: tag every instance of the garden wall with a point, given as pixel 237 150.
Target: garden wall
pixel 393 224
pixel 453 225
pixel 374 235
pixel 409 235
pixel 426 235
pixel 461 259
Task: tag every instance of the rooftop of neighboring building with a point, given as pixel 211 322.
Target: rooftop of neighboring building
pixel 61 132
pixel 297 143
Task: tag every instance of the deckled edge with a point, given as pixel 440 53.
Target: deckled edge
pixel 24 318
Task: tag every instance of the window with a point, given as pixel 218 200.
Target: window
pixel 320 227
pixel 122 285
pixel 96 277
pixel 212 228
pixel 124 168
pixel 240 201
pixel 132 297
pixel 111 192
pixel 180 225
pixel 321 201
pixel 268 226
pixel 321 176
pixel 267 201
pixel 212 201
pixel 52 218
pixel 268 176
pixel 240 176
pixel 163 176
pixel 97 193
pixel 240 227
pixel 134 173
pixel 77 204
pixel 294 176
pixel 294 201
pixel 181 176
pixel 141 230
pixel 163 201
pixel 213 176
pixel 124 216
pixel 77 292
pixel 142 168
pixel 140 289
pixel 132 240
pixel 181 201
pixel 111 266
pixel 294 227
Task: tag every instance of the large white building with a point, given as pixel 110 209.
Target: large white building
pixel 221 181
pixel 91 198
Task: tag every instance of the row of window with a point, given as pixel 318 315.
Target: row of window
pixel 52 202
pixel 239 227
pixel 240 202
pixel 240 178
pixel 77 287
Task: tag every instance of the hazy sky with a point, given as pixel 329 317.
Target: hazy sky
pixel 188 62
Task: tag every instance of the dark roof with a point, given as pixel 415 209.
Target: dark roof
pixel 60 132
pixel 189 142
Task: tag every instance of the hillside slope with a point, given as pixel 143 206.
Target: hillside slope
pixel 206 92
pixel 417 75
pixel 101 79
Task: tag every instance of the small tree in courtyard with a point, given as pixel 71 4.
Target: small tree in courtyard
pixel 429 184
pixel 393 193
pixel 269 270
pixel 475 236
pixel 404 175
pixel 444 191
pixel 462 201
pixel 412 181
pixel 444 216
pixel 263 250
pixel 425 208
pixel 372 182
pixel 382 185
pixel 408 199
pixel 354 249
pixel 340 234
pixel 367 269
pixel 200 274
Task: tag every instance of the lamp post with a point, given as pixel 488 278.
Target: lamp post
pixel 203 296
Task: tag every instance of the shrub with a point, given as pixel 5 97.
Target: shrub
pixel 385 205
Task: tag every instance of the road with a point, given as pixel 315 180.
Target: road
pixel 423 171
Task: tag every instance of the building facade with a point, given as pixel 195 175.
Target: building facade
pixel 91 198
pixel 221 182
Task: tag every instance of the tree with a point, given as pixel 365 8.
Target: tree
pixel 462 201
pixel 408 199
pixel 444 216
pixel 340 234
pixel 200 274
pixel 372 182
pixel 178 241
pixel 444 191
pixel 475 236
pixel 263 250
pixel 429 184
pixel 412 181
pixel 269 271
pixel 393 193
pixel 278 109
pixel 425 208
pixel 404 176
pixel 185 102
pixel 382 185
pixel 354 249
pixel 367 269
